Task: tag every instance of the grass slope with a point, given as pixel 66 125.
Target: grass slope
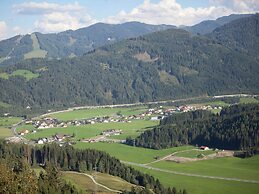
pixel 28 75
pixel 85 184
pixel 197 185
pixel 194 153
pixel 36 52
pixel 225 167
pixel 5 132
pixel 8 121
pixel 129 153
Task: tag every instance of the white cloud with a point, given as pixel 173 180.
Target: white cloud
pixel 57 21
pixel 171 12
pixel 3 30
pixel 30 8
pixel 55 17
pixel 238 6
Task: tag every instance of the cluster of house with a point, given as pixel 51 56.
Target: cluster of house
pixel 55 138
pixel 103 136
pixel 47 123
pixel 110 132
pixel 106 119
pixel 161 113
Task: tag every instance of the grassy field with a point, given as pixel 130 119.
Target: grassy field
pixel 24 127
pixel 194 153
pixel 5 124
pixel 25 73
pixel 4 105
pixel 87 131
pixel 85 184
pixel 97 112
pixel 248 100
pixel 129 153
pixel 4 75
pixel 21 72
pixel 5 132
pixel 8 121
pixel 196 185
pixel 112 182
pixel 226 167
pixel 37 52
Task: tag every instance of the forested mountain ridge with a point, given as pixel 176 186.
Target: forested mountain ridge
pixel 209 26
pixel 70 43
pixel 159 66
pixel 245 39
pixel 75 43
pixel 235 128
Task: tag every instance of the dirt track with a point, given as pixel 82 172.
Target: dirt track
pixel 220 154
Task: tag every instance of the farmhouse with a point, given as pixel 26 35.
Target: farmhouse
pixel 110 132
pixel 23 132
pixel 204 148
pixel 40 141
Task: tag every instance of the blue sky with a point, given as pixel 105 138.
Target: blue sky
pixel 23 16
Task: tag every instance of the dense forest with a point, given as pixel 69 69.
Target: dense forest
pixel 72 43
pixel 16 176
pixel 159 66
pixel 236 128
pixel 68 158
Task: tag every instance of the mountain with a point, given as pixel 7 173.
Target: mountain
pixel 70 43
pixel 208 26
pixel 244 40
pixel 159 66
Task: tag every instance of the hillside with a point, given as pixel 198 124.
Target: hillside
pixel 245 39
pixel 209 26
pixel 236 128
pixel 70 43
pixel 159 66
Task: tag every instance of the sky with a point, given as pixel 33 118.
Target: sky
pixel 52 16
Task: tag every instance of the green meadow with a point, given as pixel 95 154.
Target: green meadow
pixel 91 130
pixel 97 112
pixel 37 52
pixel 196 185
pixel 5 126
pixel 5 132
pixel 231 167
pixel 248 100
pixel 194 153
pixel 129 153
pixel 28 75
pixel 8 121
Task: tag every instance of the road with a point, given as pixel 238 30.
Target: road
pixel 99 184
pixel 190 174
pixel 146 103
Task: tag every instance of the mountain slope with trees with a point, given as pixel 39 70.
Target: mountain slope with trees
pixel 159 66
pixel 236 128
pixel 209 26
pixel 72 43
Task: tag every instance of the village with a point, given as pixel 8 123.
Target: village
pixel 157 113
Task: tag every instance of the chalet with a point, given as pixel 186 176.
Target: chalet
pixel 23 132
pixel 40 141
pixel 204 148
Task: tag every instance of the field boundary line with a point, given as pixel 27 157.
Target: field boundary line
pixel 190 174
pixel 92 178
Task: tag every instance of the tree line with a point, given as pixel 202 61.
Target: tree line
pixel 69 159
pixel 236 128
